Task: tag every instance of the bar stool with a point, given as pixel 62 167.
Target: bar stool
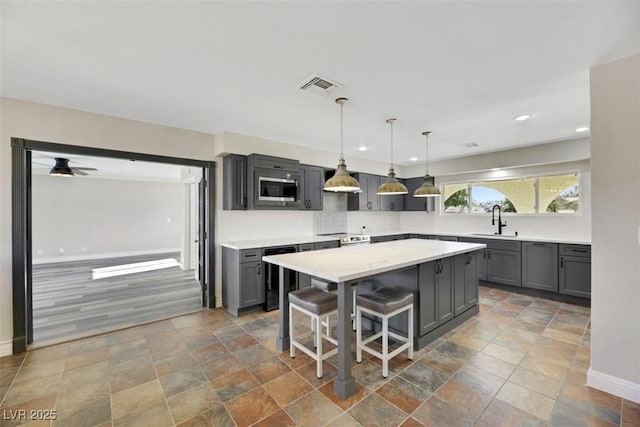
pixel 316 304
pixel 384 303
pixel 333 287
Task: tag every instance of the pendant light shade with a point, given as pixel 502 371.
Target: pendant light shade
pixel 341 181
pixel 391 186
pixel 61 168
pixel 427 189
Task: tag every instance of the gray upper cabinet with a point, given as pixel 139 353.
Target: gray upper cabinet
pixel 540 265
pixel 367 199
pixel 575 270
pixel 390 203
pixel 311 184
pixel 234 182
pixel 411 203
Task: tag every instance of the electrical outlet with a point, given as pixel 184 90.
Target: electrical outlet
pixel 61 251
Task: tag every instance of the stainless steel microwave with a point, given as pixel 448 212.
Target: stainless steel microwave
pixel 274 188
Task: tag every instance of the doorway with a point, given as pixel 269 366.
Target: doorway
pixel 75 281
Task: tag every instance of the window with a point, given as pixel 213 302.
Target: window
pixel 553 194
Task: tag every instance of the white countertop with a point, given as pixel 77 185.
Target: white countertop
pixel 360 261
pixel 278 241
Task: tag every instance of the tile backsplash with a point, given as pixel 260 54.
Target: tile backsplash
pixel 333 217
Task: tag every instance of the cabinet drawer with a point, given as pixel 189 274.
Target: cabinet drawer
pixel 327 245
pixel 304 247
pixel 247 255
pixel 575 250
pixel 505 245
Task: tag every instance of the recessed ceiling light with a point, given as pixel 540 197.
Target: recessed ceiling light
pixel 582 129
pixel 413 159
pixel 522 117
pixel 362 148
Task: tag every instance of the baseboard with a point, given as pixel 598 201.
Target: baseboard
pixel 6 348
pixel 86 257
pixel 614 385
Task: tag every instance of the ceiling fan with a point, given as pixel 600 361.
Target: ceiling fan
pixel 62 168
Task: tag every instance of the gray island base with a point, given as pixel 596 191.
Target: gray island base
pixel 442 275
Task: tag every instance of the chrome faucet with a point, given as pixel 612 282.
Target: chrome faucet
pixel 493 218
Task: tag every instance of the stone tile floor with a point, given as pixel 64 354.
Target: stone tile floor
pixel 521 361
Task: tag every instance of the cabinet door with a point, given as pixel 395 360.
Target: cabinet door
pixel 504 267
pixel 444 289
pixel 252 291
pixel 575 276
pixel 414 203
pixel 540 266
pixel 483 265
pixel 312 183
pixel 459 288
pixel 390 203
pixel 373 181
pixel 471 279
pixel 428 305
pixel 234 182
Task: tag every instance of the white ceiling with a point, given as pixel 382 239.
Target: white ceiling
pixel 460 69
pixel 108 168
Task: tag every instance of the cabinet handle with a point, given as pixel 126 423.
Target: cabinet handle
pixel 244 202
pixel 484 254
pixel 539 244
pixel 582 251
pixel 489 254
pixel 392 206
pixel 561 262
pixel 259 269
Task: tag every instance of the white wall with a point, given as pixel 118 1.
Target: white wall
pixel 53 124
pixel 615 311
pixel 92 217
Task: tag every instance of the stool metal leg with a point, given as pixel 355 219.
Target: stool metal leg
pixel 292 351
pixel 410 333
pixel 385 346
pixel 318 336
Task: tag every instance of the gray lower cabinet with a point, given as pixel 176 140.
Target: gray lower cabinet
pixel 445 238
pixel 378 239
pixel 411 203
pixel 540 266
pixel 234 182
pixel 242 279
pixel 444 289
pixel 465 282
pixel 500 262
pixel 312 183
pixel 575 270
pixel 326 245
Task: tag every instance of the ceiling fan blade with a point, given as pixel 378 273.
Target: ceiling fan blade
pixel 41 164
pixel 78 172
pixel 82 169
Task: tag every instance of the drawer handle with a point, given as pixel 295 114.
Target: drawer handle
pixel 539 244
pixel 250 255
pixel 561 262
pixel 582 251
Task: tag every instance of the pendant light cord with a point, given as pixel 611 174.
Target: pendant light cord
pixel 391 145
pixel 426 155
pixel 341 132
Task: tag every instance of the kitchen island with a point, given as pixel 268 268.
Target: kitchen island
pixel 433 270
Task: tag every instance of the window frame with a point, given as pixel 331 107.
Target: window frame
pixel 537 177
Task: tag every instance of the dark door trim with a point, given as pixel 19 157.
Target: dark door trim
pixel 21 222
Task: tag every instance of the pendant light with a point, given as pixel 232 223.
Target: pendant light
pixel 342 182
pixel 426 189
pixel 61 168
pixel 391 186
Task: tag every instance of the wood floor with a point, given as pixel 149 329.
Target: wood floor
pixel 67 303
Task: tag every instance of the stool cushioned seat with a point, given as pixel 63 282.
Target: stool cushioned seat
pixel 314 300
pixel 385 300
pixel 325 286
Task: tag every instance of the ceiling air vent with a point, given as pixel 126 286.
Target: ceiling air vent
pixel 319 85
